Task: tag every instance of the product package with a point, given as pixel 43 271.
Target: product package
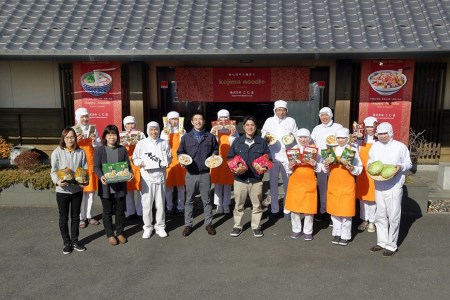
pixel 359 130
pixel 347 156
pixel 309 153
pixel 294 155
pixel 262 164
pixel 328 155
pixel 116 172
pixel 129 138
pixel 236 162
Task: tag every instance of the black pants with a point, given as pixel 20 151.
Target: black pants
pixel 68 202
pixel 113 205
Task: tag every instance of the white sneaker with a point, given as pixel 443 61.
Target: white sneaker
pixel 147 233
pixel 161 233
pixel 371 227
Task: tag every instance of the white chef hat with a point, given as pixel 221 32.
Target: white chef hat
pixel 129 119
pixel 173 115
pixel 303 132
pixel 342 132
pixel 152 124
pixel 369 121
pixel 385 127
pixel 280 104
pixel 80 112
pixel 223 113
pixel 326 110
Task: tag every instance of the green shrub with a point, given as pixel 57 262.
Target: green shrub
pixel 39 179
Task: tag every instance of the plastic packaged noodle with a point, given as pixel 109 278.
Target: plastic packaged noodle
pixel 328 155
pixel 129 138
pixel 262 164
pixel 237 162
pixel 65 174
pixel 347 156
pixel 116 172
pixel 166 128
pixel 81 175
pixel 92 129
pixel 294 156
pixel 181 124
pixel 78 129
pixel 360 130
pixel 309 153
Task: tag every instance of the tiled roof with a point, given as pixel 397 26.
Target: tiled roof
pixel 145 28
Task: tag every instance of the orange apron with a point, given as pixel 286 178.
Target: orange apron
pixel 341 192
pixel 222 174
pixel 301 196
pixel 176 175
pixel 86 145
pixel 365 186
pixel 135 183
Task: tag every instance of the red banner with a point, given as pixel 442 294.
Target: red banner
pixel 386 93
pixel 242 84
pixel 97 87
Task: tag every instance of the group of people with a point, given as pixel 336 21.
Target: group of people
pixel 158 166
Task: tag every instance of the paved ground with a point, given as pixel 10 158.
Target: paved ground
pixel 32 265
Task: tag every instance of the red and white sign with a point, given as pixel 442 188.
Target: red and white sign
pixel 164 84
pixel 97 87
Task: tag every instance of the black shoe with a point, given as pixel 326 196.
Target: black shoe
pixel 236 232
pixel 388 253
pixel 169 212
pixel 319 217
pixel 274 216
pixel 336 240
pixel 257 233
pixel 343 242
pixel 67 248
pixel 180 212
pixel 132 217
pixel 376 248
pixel 77 246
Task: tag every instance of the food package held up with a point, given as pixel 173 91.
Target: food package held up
pixel 236 162
pixel 116 172
pixel 65 174
pixel 328 155
pixel 309 153
pixel 347 156
pixel 262 164
pixel 81 175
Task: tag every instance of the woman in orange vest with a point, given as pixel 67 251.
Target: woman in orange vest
pixel 221 176
pixel 129 139
pixel 365 186
pixel 176 175
pixel 301 196
pixel 87 139
pixel 341 189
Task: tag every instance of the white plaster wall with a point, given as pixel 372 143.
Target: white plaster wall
pixel 29 84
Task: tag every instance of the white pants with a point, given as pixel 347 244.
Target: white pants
pixel 322 182
pixel 181 196
pixel 387 217
pixel 342 226
pixel 133 208
pixel 222 194
pixel 86 205
pixel 273 178
pixel 367 210
pixel 153 193
pixel 296 221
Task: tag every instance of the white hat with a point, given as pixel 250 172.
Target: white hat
pixel 369 121
pixel 280 104
pixel 173 115
pixel 153 124
pixel 342 132
pixel 223 113
pixel 129 119
pixel 303 132
pixel 80 112
pixel 385 127
pixel 326 110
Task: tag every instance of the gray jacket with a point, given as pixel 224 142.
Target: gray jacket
pixel 61 159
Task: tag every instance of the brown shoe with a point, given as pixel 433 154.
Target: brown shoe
pixel 210 229
pixel 376 248
pixel 187 230
pixel 122 239
pixel 112 240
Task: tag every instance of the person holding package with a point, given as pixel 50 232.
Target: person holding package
pixel 247 182
pixel 365 186
pixel 68 158
pixel 129 138
pixel 279 125
pixel 389 193
pixel 319 136
pixel 199 145
pixel 113 194
pixel 88 140
pixel 301 196
pixel 341 187
pixel 176 175
pixel 222 176
pixel 153 155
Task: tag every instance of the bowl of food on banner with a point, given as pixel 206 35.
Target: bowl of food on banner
pixel 96 83
pixel 387 82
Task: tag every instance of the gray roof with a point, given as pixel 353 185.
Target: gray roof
pixel 162 28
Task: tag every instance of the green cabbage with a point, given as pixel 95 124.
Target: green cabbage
pixel 375 168
pixel 388 171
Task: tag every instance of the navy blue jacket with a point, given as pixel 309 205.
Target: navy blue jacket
pixel 249 154
pixel 198 151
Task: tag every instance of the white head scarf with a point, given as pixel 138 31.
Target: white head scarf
pixel 129 119
pixel 303 132
pixel 173 115
pixel 223 113
pixel 385 127
pixel 79 113
pixel 342 132
pixel 280 104
pixel 369 121
pixel 326 110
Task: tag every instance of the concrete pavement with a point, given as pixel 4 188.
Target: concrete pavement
pixel 219 267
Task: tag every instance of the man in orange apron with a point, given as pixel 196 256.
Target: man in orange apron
pixel 176 175
pixel 221 176
pixel 341 190
pixel 129 138
pixel 87 139
pixel 365 186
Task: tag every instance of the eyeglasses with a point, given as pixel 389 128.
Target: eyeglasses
pixel 69 137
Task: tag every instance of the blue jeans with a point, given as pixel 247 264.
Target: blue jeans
pixel 202 183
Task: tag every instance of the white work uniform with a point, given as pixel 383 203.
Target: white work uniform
pixel 319 136
pixel 279 128
pixel 156 156
pixel 388 194
pixel 367 209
